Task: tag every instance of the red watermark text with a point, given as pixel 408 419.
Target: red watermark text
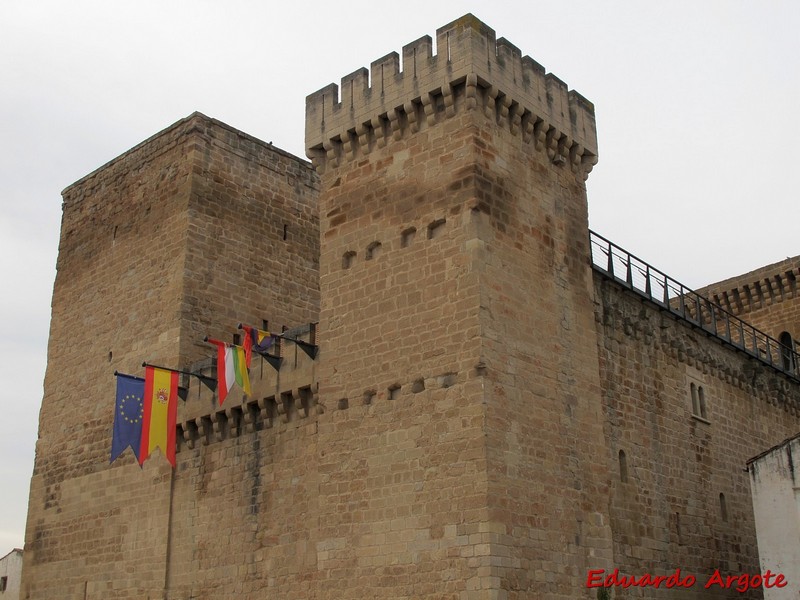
pixel 741 583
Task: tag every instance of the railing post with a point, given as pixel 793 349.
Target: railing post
pixel 713 318
pixel 692 308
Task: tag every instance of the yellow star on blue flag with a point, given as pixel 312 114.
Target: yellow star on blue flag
pixel 128 413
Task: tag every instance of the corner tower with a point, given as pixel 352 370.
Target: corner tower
pixel 187 233
pixel 457 319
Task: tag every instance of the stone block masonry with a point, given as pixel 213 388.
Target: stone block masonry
pixel 680 491
pixel 487 418
pixel 472 67
pixel 195 229
pixel 484 158
pixel 767 298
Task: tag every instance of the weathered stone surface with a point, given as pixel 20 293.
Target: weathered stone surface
pixel 487 417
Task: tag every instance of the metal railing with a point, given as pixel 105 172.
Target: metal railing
pixel 681 301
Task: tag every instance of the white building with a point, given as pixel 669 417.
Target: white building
pixel 10 575
pixel 775 487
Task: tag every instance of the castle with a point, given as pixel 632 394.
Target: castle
pixel 500 403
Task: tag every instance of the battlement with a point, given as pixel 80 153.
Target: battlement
pixel 757 289
pixel 471 70
pixel 282 394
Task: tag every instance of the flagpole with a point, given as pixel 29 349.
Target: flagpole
pixel 191 373
pixel 117 374
pixel 168 550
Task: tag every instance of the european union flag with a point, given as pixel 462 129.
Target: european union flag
pixel 128 413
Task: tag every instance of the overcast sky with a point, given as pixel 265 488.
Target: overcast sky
pixel 696 104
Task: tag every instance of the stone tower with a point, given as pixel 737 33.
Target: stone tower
pixel 491 414
pixel 182 236
pixel 456 309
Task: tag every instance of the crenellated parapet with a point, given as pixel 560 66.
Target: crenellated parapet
pixel 472 70
pixel 758 289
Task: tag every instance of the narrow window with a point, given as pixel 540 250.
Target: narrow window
pixel 701 397
pixel 285 231
pixel 695 404
pixel 407 237
pixel 373 250
pixel 394 391
pixel 347 259
pixel 435 228
pixel 3 583
pixel 723 508
pixel 369 396
pixel 623 467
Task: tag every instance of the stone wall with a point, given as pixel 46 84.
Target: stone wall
pixel 157 249
pixel 487 417
pixel 767 298
pixel 680 490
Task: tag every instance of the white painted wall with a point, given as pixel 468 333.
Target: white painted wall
pixel 775 488
pixel 11 567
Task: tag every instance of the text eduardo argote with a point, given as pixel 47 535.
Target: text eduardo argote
pixel 597 578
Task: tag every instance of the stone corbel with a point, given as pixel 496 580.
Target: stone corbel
pixel 364 131
pixel 429 108
pixel 471 93
pixel 503 110
pixel 348 147
pixel 394 124
pixel 281 408
pixel 411 114
pixel 540 134
pixel 234 420
pixel 551 143
pixel 190 434
pixel 379 132
pixel 527 126
pixel 263 413
pixel 218 422
pixel 202 429
pixel 588 161
pixel 514 117
pixel 330 152
pixel 489 106
pixel 448 98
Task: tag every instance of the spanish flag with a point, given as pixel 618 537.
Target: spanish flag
pixel 160 413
